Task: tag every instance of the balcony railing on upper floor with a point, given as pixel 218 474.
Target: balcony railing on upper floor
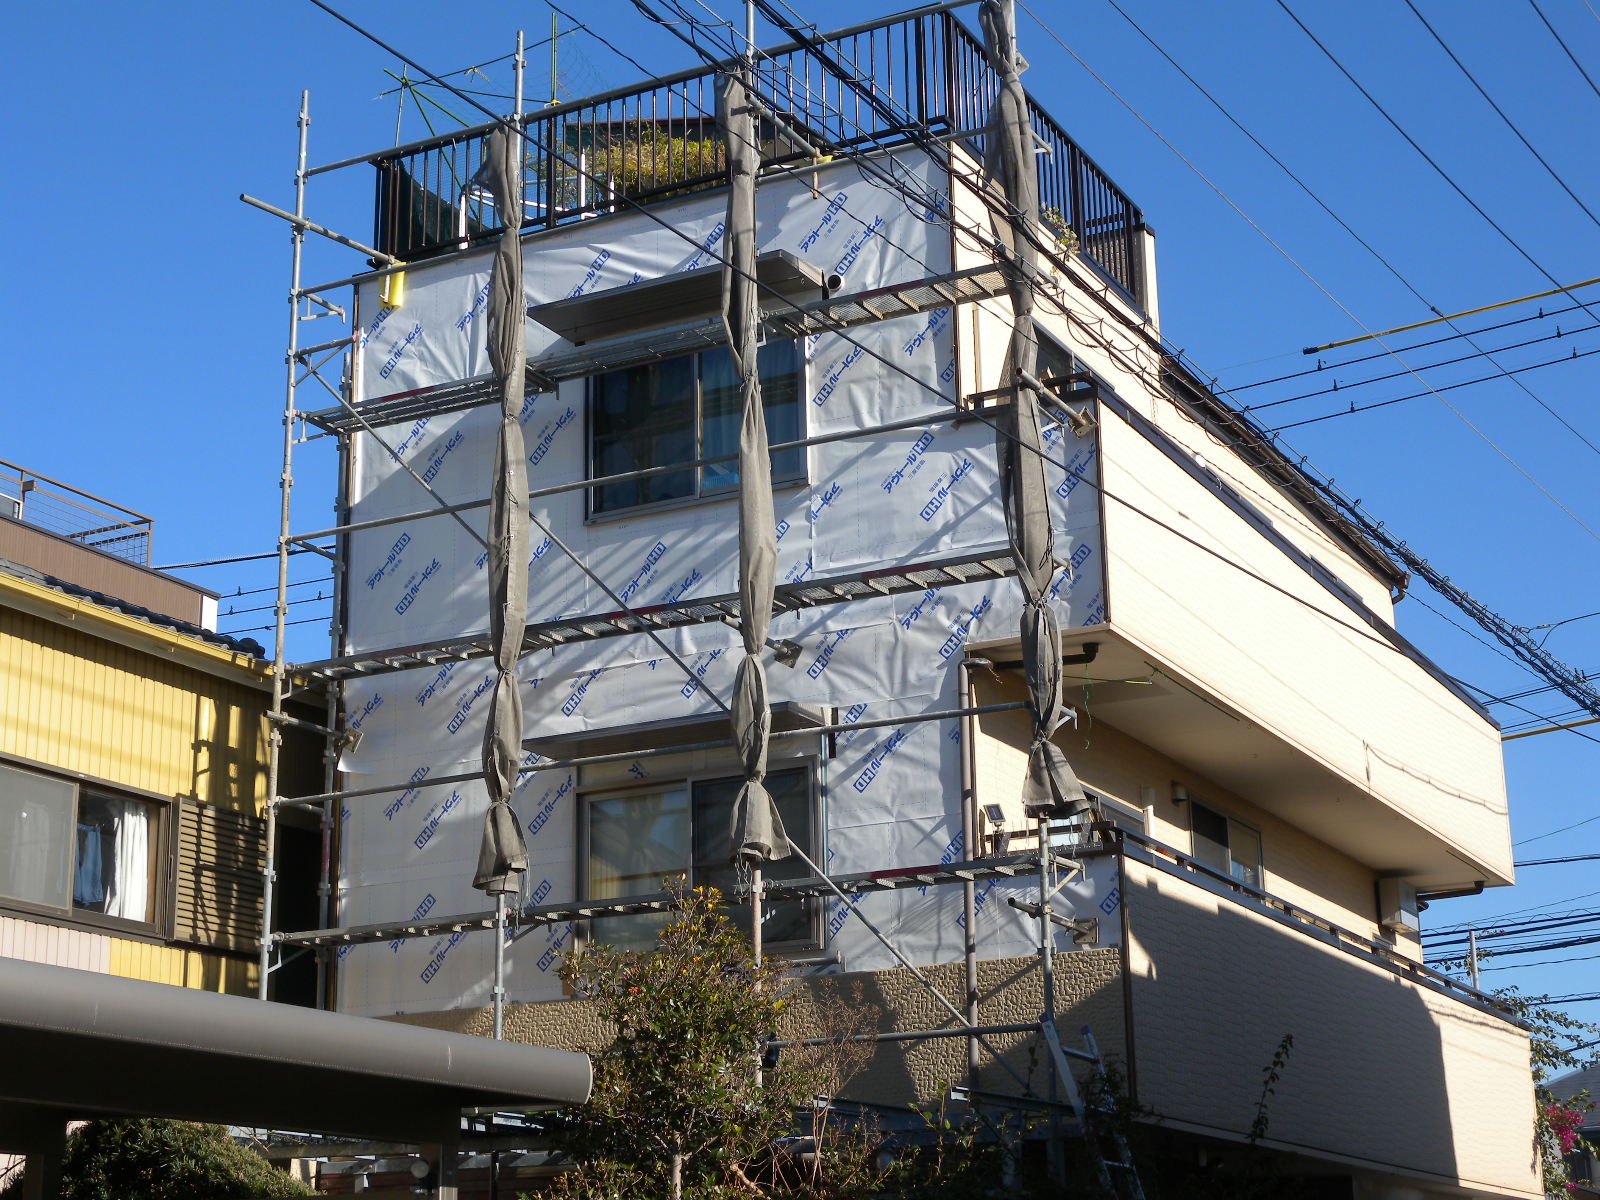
pixel 74 514
pixel 905 80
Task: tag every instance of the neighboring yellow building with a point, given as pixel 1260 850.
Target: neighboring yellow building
pixel 133 749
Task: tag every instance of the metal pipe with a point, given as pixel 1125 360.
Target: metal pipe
pixel 597 481
pixel 300 223
pixel 854 910
pixel 297 239
pixel 1130 1055
pixel 590 760
pixel 913 1035
pixel 969 838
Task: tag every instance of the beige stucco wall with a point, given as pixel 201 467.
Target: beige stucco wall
pixel 1285 655
pixel 1088 992
pixel 1381 1070
pixel 1298 868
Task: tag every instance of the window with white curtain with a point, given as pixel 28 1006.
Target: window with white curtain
pixel 67 848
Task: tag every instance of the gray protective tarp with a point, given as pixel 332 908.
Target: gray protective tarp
pixel 503 857
pixel 1024 489
pixel 756 833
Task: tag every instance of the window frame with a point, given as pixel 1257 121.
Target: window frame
pixel 163 872
pixel 1229 822
pixel 686 779
pixel 801 478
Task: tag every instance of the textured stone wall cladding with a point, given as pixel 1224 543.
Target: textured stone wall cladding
pixel 1381 1070
pixel 1088 992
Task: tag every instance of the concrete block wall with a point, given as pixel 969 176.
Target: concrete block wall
pixel 1088 992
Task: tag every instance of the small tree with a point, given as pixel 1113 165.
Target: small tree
pixel 682 1104
pixel 1556 1122
pixel 148 1158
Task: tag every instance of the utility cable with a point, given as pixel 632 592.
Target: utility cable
pixel 1445 175
pixel 1432 390
pixel 1500 112
pixel 900 370
pixel 1564 829
pixel 1523 471
pixel 1324 367
pixel 1317 199
pixel 1557 336
pixel 239 558
pixel 1587 78
pixel 1554 862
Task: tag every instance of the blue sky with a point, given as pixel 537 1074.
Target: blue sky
pixel 146 305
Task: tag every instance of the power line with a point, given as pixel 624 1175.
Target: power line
pixel 1445 175
pixel 1564 829
pixel 239 558
pixel 1549 962
pixel 1497 920
pixel 1446 362
pixel 1206 179
pixel 258 591
pixel 1322 367
pixel 1500 112
pixel 1447 387
pixel 1560 42
pixel 1550 862
pixel 1340 221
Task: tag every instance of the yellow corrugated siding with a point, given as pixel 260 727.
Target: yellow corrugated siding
pixel 80 703
pixel 182 968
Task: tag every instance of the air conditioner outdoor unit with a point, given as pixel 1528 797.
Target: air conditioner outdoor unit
pixel 10 506
pixel 1397 906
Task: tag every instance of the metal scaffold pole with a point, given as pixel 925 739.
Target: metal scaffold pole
pixel 276 716
pixel 500 916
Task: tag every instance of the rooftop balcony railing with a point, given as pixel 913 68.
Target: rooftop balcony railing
pixel 908 80
pixel 74 514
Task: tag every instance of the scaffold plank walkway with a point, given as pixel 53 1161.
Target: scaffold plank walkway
pixel 790 321
pixel 791 597
pixel 1004 867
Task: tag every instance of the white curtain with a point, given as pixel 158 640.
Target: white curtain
pixel 128 894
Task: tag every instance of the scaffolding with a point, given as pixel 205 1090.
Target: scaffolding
pixel 931 60
pixel 916 81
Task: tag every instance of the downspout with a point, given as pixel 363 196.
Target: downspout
pixel 1129 1057
pixel 971 850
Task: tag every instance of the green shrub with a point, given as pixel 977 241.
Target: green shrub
pixel 148 1158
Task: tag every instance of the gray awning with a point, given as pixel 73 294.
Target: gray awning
pixel 677 298
pixel 83 1044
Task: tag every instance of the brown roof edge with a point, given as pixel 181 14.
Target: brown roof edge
pixel 49 553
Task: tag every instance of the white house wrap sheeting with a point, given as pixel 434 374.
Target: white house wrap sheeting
pixel 889 796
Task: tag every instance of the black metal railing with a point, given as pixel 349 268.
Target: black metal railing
pixel 897 82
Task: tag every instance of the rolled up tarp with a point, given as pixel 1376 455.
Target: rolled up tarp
pixel 503 855
pixel 756 832
pixel 1051 782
